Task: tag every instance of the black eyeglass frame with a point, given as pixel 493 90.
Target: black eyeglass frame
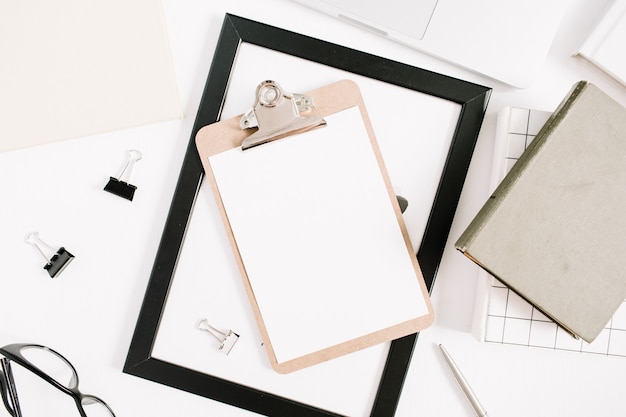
pixel 13 352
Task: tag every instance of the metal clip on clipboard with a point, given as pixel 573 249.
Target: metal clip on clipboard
pixel 277 115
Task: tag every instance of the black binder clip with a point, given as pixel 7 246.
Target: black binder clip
pixel 56 263
pixel 227 338
pixel 120 186
pixel 403 203
pixel 277 115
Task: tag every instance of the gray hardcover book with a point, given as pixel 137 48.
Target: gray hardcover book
pixel 554 230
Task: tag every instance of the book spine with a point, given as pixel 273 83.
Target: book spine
pixel 491 205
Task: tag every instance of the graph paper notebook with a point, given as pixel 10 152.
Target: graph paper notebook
pixel 501 316
pixel 553 229
pixel 317 233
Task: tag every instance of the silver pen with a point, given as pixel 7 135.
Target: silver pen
pixel 480 411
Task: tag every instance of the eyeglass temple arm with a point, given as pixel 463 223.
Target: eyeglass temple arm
pixel 8 387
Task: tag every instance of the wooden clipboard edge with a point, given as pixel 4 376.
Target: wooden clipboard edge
pixel 225 135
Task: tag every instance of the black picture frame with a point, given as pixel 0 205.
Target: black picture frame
pixel 236 30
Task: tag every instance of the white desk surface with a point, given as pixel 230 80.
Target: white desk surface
pixel 101 293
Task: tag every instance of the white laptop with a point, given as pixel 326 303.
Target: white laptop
pixel 507 40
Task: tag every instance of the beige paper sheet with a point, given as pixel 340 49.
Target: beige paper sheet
pixel 76 68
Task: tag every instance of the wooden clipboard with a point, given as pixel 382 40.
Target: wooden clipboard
pixel 400 299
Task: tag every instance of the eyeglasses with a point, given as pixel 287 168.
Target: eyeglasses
pixel 40 379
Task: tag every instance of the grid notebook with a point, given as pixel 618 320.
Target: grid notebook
pixel 505 317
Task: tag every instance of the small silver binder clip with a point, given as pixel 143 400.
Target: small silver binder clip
pixel 277 115
pixel 120 186
pixel 227 338
pixel 57 261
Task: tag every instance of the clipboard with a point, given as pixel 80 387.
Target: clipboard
pixel 320 305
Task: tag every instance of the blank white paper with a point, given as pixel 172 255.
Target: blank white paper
pixel 319 238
